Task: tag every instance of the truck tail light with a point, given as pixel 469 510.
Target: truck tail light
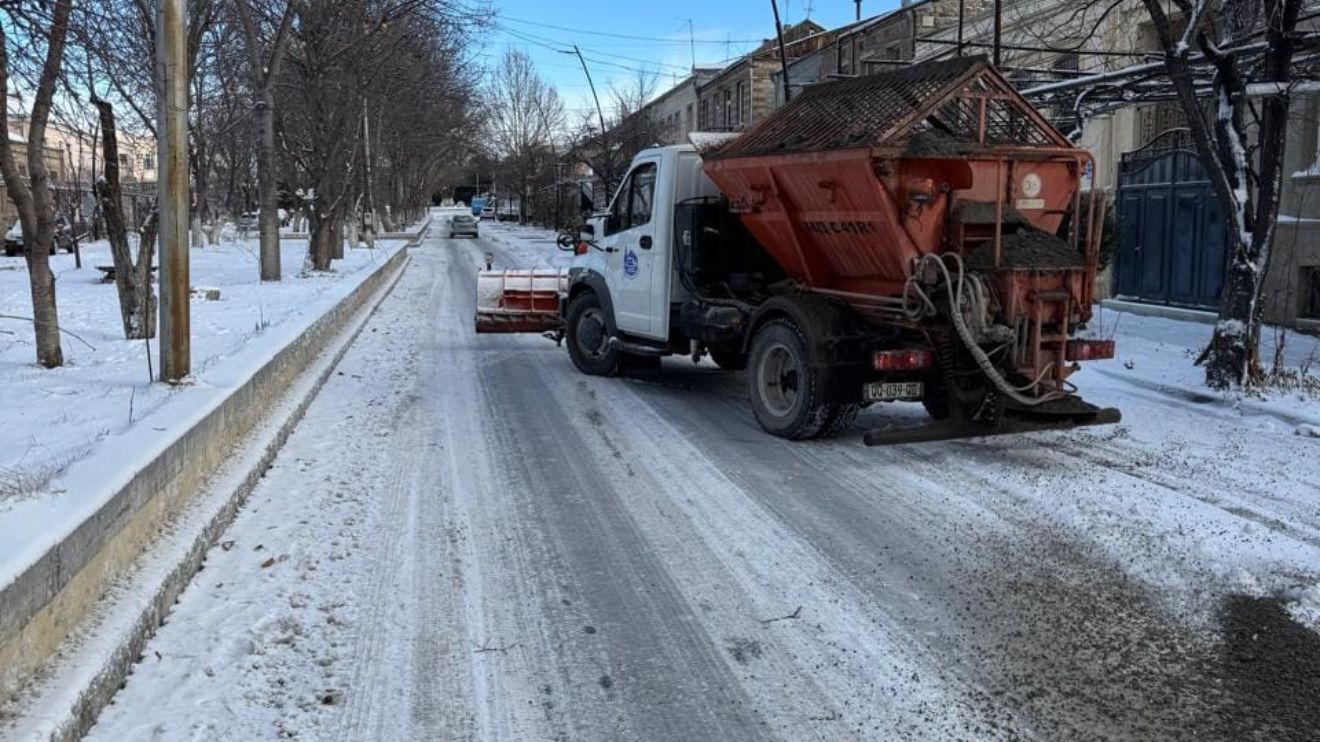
pixel 582 248
pixel 1090 350
pixel 905 359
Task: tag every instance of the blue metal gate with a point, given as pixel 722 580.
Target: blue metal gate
pixel 1171 246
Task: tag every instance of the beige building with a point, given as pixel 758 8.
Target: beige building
pixel 675 111
pixel 19 147
pixel 73 159
pixel 743 92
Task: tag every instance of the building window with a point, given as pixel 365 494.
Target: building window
pixel 123 161
pixel 728 107
pixel 148 162
pixel 738 105
pixel 1310 293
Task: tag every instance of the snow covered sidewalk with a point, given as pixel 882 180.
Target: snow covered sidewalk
pixel 105 489
pixel 62 415
pixel 1156 355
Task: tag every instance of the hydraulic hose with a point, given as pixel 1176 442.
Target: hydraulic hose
pixel 965 334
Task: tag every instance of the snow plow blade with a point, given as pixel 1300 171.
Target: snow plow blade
pixel 950 431
pixel 520 301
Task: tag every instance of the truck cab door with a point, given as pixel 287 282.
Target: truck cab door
pixel 635 258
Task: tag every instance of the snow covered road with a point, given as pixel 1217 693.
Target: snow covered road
pixel 465 539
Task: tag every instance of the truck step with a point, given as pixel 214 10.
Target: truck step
pixel 638 349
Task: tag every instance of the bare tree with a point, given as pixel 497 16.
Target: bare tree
pixel 1248 190
pixel 137 301
pixel 631 128
pixel 265 50
pixel 32 197
pixel 524 113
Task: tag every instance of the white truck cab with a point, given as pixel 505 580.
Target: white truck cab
pixel 635 239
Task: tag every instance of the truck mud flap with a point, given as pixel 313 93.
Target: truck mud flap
pixel 951 430
pixel 517 301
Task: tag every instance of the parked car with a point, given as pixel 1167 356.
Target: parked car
pixel 63 238
pixel 248 221
pixel 14 241
pixel 462 224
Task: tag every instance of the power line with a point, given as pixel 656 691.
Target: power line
pixel 656 39
pixel 535 42
pixel 590 51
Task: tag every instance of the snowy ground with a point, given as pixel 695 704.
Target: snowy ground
pixel 104 387
pixel 465 539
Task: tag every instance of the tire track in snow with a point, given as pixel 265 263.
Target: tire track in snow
pixel 854 503
pixel 604 627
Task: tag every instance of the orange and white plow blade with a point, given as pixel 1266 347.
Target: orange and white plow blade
pixel 520 301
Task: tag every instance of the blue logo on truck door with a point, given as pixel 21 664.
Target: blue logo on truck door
pixel 630 265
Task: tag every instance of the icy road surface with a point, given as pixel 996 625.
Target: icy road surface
pixel 467 540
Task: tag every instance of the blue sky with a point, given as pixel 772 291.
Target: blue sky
pixel 722 29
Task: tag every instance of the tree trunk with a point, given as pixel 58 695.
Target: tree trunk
pixel 319 247
pixel 134 311
pixel 33 198
pixel 1233 355
pixel 143 294
pixel 337 234
pixel 267 188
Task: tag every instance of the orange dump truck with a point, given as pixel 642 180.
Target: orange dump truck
pixel 916 235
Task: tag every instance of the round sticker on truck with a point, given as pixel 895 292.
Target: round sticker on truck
pixel 1031 185
pixel 630 266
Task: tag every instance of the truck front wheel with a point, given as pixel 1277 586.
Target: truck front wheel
pixel 587 331
pixel 788 394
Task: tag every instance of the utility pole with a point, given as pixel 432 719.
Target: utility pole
pixel 783 55
pixel 692 44
pixel 172 189
pixel 999 28
pixel 604 141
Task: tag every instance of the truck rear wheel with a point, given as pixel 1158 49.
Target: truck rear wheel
pixel 787 393
pixel 588 334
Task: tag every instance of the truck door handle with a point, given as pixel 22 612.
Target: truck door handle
pixel 645 242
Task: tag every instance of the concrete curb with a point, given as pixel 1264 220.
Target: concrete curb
pixel 1181 314
pixel 184 495
pixel 410 236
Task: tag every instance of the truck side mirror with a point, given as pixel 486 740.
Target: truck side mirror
pixel 587 231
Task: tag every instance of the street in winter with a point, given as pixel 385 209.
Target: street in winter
pixel 925 370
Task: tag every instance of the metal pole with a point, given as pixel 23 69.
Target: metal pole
pixel 366 142
pixel 603 139
pixel 859 9
pixel 783 56
pixel 172 188
pixel 999 28
pixel 692 44
pixel 962 15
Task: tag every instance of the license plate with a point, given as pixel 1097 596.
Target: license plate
pixel 889 391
